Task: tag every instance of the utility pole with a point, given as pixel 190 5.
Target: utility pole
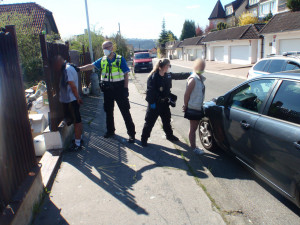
pixel 89 31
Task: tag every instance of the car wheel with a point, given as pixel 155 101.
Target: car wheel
pixel 206 135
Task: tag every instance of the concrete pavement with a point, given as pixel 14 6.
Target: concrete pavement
pixel 221 68
pixel 112 182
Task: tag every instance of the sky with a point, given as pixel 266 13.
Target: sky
pixel 137 18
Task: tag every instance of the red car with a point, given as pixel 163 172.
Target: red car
pixel 142 61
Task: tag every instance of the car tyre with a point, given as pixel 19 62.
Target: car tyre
pixel 206 135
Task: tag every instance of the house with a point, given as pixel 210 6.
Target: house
pixel 273 6
pixel 238 45
pixel 174 50
pixel 193 48
pixel 43 18
pixel 282 33
pixel 229 14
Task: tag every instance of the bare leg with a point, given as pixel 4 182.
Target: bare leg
pixel 192 133
pixel 78 130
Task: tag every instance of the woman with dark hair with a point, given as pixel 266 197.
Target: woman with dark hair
pixel 158 97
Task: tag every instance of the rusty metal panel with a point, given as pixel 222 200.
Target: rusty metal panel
pixel 17 156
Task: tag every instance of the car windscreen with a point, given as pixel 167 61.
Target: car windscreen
pixel 142 56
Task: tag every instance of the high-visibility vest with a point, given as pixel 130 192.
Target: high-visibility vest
pixel 112 72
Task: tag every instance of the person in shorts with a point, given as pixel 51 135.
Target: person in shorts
pixel 193 102
pixel 69 97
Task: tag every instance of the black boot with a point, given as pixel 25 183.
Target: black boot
pixel 172 138
pixel 144 142
pixel 131 139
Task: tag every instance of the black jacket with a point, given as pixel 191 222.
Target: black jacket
pixel 160 87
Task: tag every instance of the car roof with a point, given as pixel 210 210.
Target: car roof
pixel 294 58
pixel 295 75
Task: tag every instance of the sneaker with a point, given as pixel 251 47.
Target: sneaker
pixel 109 134
pixel 172 138
pixel 198 151
pixel 144 143
pixel 75 148
pixel 131 139
pixel 81 142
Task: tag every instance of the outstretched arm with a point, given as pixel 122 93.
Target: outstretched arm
pixel 86 67
pixel 180 76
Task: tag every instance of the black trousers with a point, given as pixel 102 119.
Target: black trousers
pixel 162 110
pixel 71 112
pixel 110 96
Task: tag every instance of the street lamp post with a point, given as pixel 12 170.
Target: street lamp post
pixel 89 31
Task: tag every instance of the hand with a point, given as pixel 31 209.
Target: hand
pixel 126 92
pixel 79 101
pixel 153 106
pixel 184 108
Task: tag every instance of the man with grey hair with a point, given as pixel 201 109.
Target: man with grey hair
pixel 114 84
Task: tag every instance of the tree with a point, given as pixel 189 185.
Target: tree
pixel 209 27
pixel 28 44
pixel 188 30
pixel 247 18
pixel 293 5
pixel 120 45
pixel 222 26
pixel 268 17
pixel 163 39
pixel 171 36
pixel 199 31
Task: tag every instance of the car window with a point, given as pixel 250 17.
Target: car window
pixel 276 65
pixel 286 104
pixel 142 56
pixel 260 65
pixel 292 66
pixel 251 96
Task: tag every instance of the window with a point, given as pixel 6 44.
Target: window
pixel 292 66
pixel 229 10
pixel 286 104
pixel 267 7
pixel 260 66
pixel 251 96
pixel 252 2
pixel 142 56
pixel 276 65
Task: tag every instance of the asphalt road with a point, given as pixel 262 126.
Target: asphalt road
pixel 240 194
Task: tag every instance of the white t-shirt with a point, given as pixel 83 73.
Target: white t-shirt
pixel 71 76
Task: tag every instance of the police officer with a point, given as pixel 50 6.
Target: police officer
pixel 114 84
pixel 158 96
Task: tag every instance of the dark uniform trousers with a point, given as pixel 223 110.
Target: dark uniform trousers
pixel 110 96
pixel 162 110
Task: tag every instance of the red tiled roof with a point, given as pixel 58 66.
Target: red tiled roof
pixel 28 8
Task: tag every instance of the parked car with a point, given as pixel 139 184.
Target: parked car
pixel 142 61
pixel 259 122
pixel 275 64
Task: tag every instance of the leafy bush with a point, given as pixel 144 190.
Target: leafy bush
pixel 222 26
pixel 28 44
pixel 268 17
pixel 247 18
pixel 293 5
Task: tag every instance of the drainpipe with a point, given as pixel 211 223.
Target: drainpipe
pixel 262 46
pixel 205 49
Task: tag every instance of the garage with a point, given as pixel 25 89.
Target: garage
pixel 219 54
pixel 239 54
pixel 199 54
pixel 289 45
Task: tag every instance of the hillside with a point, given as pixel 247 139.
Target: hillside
pixel 141 43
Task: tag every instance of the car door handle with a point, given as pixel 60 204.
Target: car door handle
pixel 244 124
pixel 297 145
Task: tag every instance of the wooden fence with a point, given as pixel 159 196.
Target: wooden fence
pixel 17 157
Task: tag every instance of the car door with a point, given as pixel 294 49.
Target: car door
pixel 241 113
pixel 277 134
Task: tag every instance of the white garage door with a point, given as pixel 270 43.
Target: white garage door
pixel 289 45
pixel 240 54
pixel 199 54
pixel 219 54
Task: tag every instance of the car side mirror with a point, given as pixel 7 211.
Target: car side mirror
pixel 220 101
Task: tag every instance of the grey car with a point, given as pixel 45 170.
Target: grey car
pixel 259 122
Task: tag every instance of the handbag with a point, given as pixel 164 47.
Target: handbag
pixel 194 114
